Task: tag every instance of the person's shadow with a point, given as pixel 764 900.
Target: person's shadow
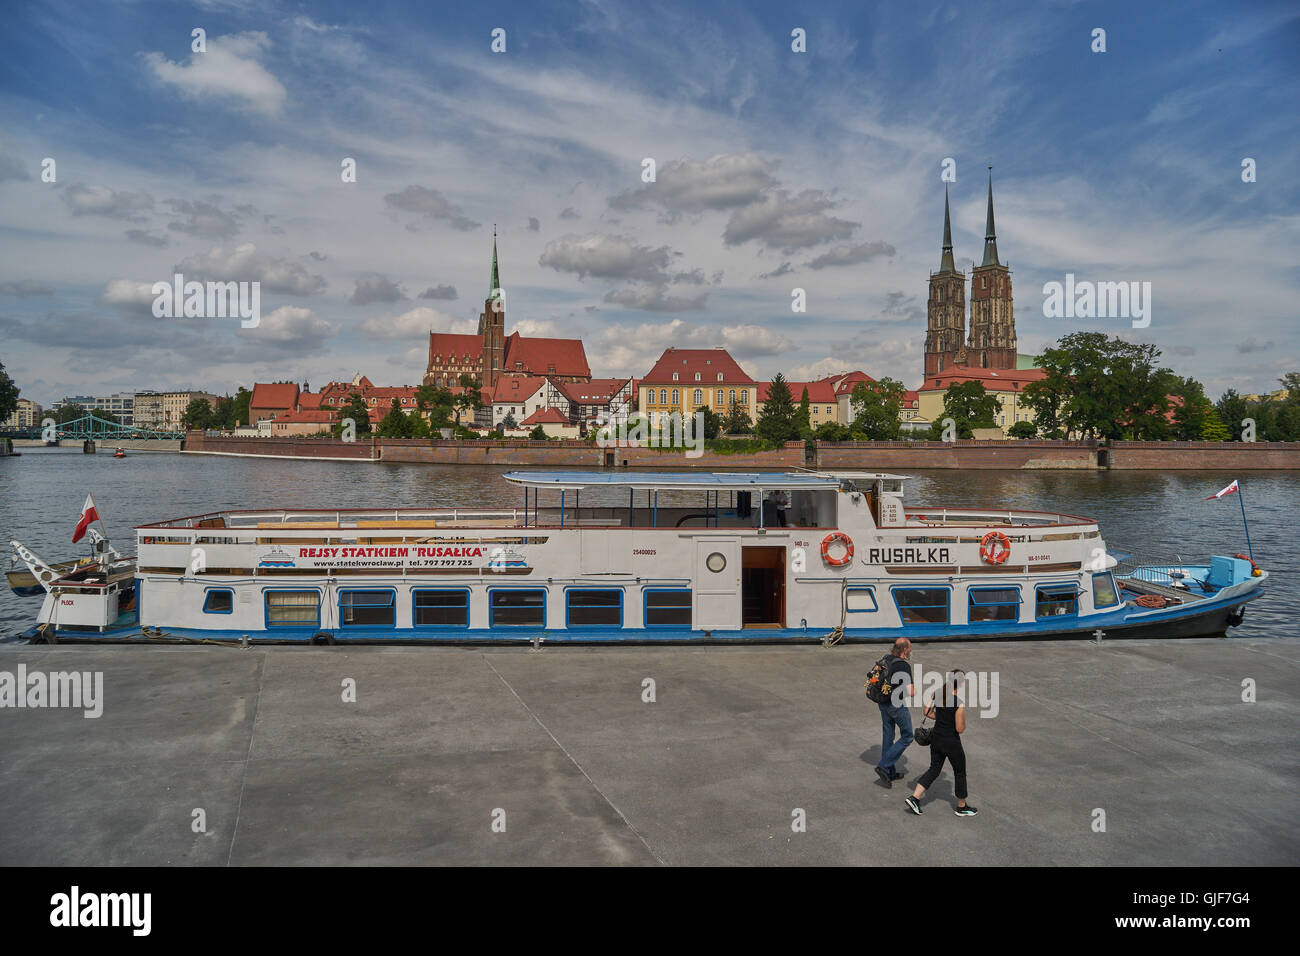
pixel 942 788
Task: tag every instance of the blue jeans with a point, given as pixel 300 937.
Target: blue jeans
pixel 891 749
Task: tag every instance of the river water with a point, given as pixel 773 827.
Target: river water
pixel 1152 513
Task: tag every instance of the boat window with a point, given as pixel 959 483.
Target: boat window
pixel 292 608
pixel 595 607
pixel 668 608
pixel 858 600
pixel 367 609
pixel 219 601
pixel 1057 599
pixel 922 605
pixel 517 608
pixel 1103 590
pixel 993 604
pixel 449 608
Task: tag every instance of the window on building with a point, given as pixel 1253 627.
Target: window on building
pixel 443 608
pixel 292 608
pixel 719 376
pixel 697 376
pixel 718 397
pixel 517 607
pixel 993 604
pixel 663 396
pixel 367 608
pixel 699 398
pixel 744 396
pixel 674 376
pixel 594 607
pixel 731 396
pixel 676 396
pixel 922 605
pixel 668 608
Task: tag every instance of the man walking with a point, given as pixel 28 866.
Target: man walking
pixel 894 712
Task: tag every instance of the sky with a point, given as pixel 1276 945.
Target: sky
pixel 775 170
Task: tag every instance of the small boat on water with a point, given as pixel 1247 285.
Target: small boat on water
pixel 639 557
pixel 119 453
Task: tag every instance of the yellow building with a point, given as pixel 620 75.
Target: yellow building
pixel 1007 384
pixel 683 380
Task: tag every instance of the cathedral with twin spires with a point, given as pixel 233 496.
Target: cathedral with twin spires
pixel 992 340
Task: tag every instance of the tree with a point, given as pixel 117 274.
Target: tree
pixel 832 431
pixel 1232 410
pixel 355 409
pixel 395 423
pixel 1191 411
pixel 1023 430
pixel 803 417
pixel 1213 429
pixel 8 394
pixel 777 422
pixel 876 406
pixel 712 422
pixel 243 397
pixel 509 420
pixel 469 399
pixel 737 421
pixel 538 434
pixel 970 406
pixel 198 415
pixel 69 412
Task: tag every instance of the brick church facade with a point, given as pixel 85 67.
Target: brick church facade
pixel 490 354
pixel 992 340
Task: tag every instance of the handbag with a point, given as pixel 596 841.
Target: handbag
pixel 923 733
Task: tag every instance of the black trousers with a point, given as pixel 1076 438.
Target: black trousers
pixel 941 749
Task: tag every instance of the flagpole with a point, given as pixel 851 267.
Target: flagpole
pixel 1245 524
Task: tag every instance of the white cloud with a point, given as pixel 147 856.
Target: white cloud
pixel 230 70
pixel 243 263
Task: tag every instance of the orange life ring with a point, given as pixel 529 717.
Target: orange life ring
pixel 1254 568
pixel 987 552
pixel 843 539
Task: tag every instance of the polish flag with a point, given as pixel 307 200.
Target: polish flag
pixel 88 514
pixel 1230 490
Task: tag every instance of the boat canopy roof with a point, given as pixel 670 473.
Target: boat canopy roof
pixel 691 480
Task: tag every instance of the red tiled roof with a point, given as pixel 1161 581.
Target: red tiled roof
pixel 453 347
pixel 844 383
pixel 598 391
pixel 911 399
pixel 545 356
pixel 275 395
pixel 686 362
pixel 312 415
pixel 516 388
pixel 995 380
pixel 309 400
pixel 545 416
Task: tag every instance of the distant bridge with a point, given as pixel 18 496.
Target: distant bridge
pixel 98 429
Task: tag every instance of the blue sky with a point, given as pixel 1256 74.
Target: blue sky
pixel 776 170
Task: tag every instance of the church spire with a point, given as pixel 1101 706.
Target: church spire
pixel 494 289
pixel 990 233
pixel 946 263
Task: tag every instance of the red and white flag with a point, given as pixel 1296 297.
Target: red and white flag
pixel 88 514
pixel 1230 490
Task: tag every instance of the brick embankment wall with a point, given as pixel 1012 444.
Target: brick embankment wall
pixel 575 454
pixel 363 450
pixel 1204 455
pixel 904 455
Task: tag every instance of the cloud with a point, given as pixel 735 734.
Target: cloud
pixel 430 204
pixel 372 287
pixel 229 71
pixel 11 168
pixel 414 324
pixel 783 269
pixel 533 224
pixel 102 201
pixel 24 288
pixel 131 295
pixel 446 292
pixel 741 340
pixel 291 328
pixel 145 238
pixel 243 263
pixel 607 257
pixel 1246 346
pixel 654 298
pixel 849 255
pixel 787 222
pixel 725 181
pixel 202 220
pixel 570 213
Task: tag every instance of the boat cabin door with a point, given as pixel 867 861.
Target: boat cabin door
pixel 763 587
pixel 717 584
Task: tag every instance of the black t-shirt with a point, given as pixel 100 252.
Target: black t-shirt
pixel 898 665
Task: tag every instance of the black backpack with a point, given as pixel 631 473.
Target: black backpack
pixel 878 687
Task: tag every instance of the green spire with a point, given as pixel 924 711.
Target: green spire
pixel 494 289
pixel 990 233
pixel 946 264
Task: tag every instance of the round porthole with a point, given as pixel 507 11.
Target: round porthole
pixel 716 561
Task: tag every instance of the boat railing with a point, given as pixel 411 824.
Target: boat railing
pixel 982 516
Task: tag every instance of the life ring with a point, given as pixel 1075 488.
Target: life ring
pixel 987 552
pixel 843 539
pixel 1254 568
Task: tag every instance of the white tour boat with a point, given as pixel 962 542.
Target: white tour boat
pixel 638 557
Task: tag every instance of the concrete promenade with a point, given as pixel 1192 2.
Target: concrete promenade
pixel 1154 734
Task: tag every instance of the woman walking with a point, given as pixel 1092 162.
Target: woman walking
pixel 945 744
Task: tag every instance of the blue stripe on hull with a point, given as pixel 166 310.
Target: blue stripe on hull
pixel 1181 621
